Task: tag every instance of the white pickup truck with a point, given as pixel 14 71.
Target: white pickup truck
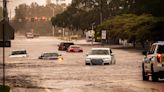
pixel 153 62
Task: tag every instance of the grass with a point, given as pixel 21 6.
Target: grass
pixel 4 88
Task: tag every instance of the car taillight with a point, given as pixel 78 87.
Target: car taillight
pixel 159 58
pixel 71 49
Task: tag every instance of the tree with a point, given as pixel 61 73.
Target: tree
pixel 1 13
pixel 134 28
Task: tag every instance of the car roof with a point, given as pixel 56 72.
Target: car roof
pixel 74 46
pixel 19 50
pixel 66 42
pixel 159 43
pixel 49 52
pixel 100 48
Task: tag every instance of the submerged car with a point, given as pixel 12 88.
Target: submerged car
pixel 19 53
pixel 63 46
pixel 99 56
pixel 74 48
pixel 51 56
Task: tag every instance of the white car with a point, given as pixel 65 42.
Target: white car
pixel 153 62
pixel 100 56
pixel 18 53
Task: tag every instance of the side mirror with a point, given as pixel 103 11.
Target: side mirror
pixel 144 52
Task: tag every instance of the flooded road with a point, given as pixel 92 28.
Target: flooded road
pixel 72 75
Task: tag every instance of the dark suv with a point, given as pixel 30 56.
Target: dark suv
pixel 64 45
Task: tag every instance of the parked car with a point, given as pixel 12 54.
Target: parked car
pixel 64 45
pixel 100 56
pixel 51 56
pixel 74 48
pixel 153 62
pixel 19 53
pixel 29 35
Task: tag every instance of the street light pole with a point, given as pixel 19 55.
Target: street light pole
pixel 101 18
pixel 53 14
pixel 92 32
pixel 101 15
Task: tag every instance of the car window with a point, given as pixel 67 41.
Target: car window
pixel 18 52
pixel 68 44
pixel 99 52
pixel 152 49
pixel 160 49
pixel 50 54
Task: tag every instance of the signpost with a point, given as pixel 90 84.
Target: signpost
pixel 8 32
pixel 103 36
pixel 5 44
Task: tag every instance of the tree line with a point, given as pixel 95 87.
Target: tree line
pixel 134 20
pixel 35 17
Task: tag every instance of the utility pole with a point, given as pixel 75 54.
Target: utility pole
pixel 5 18
pixel 101 18
pixel 101 14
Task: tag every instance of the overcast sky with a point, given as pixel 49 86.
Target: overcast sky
pixel 13 3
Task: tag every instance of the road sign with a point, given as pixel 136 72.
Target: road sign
pixel 103 34
pixel 5 44
pixel 9 31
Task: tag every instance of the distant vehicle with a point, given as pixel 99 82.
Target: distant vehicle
pixel 36 34
pixel 153 62
pixel 90 36
pixel 19 53
pixel 100 56
pixel 29 35
pixel 64 45
pixel 51 56
pixel 74 48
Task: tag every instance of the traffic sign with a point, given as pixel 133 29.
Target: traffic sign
pixel 103 34
pixel 5 44
pixel 9 31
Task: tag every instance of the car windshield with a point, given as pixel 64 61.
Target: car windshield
pixel 18 52
pixel 50 54
pixel 160 49
pixel 99 52
pixel 68 44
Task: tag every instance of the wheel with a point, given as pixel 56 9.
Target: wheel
pixel 106 64
pixel 144 76
pixel 87 64
pixel 153 74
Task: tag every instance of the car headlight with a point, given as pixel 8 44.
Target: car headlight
pixel 60 58
pixel 87 59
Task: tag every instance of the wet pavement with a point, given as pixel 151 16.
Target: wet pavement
pixel 71 74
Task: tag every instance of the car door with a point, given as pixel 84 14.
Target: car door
pixel 148 59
